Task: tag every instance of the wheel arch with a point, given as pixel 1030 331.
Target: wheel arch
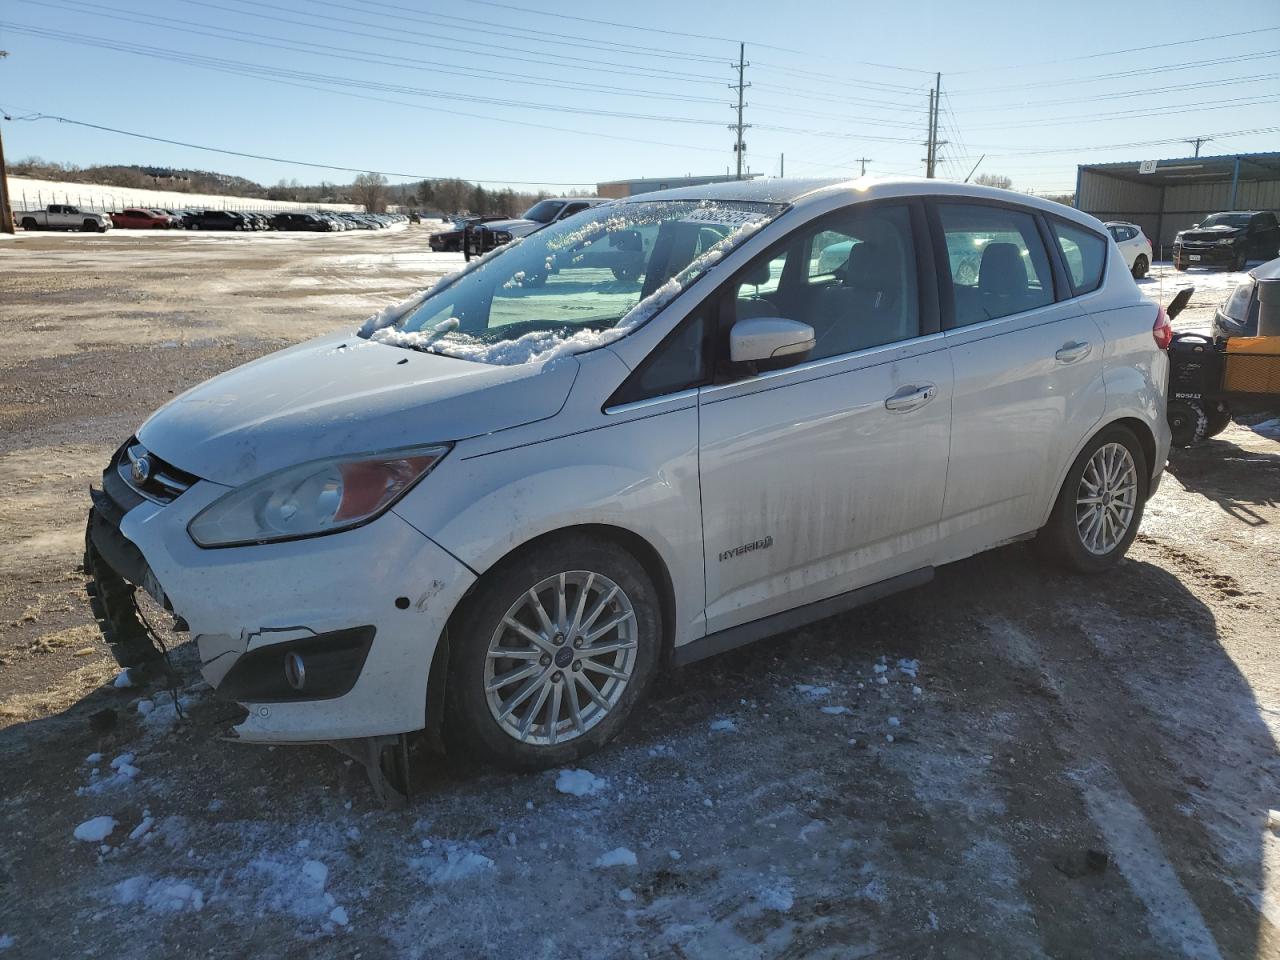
pixel 640 548
pixel 1137 426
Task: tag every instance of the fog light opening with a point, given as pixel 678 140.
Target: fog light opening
pixel 295 671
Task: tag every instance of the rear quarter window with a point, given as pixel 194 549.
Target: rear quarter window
pixel 1084 253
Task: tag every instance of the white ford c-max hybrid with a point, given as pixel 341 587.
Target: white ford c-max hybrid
pixel 662 428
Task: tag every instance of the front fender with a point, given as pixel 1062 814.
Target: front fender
pixel 639 475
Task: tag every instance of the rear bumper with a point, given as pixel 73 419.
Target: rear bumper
pixel 363 609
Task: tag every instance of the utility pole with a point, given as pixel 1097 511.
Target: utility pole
pixel 6 215
pixel 864 161
pixel 1197 141
pixel 935 105
pixel 782 165
pixel 739 148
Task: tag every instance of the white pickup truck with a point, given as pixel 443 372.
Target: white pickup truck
pixel 60 216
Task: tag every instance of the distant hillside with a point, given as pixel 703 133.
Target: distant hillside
pixel 152 178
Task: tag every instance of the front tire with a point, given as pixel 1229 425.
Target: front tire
pixel 551 654
pixel 1100 505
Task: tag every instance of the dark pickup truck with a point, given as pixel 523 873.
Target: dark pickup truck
pixel 1228 240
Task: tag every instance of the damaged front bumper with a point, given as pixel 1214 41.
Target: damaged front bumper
pixel 321 639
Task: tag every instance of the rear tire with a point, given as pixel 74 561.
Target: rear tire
pixel 1217 418
pixel 1090 537
pixel 1187 422
pixel 1140 266
pixel 558 721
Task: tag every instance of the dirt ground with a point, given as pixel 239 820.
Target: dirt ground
pixel 1008 762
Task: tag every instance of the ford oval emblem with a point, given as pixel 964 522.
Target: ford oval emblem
pixel 141 470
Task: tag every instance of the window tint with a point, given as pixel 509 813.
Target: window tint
pixel 998 264
pixel 855 283
pixel 1084 253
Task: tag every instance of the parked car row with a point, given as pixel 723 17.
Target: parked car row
pixel 327 221
pixel 57 216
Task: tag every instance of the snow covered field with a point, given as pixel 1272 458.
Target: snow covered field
pixel 1007 762
pixel 28 194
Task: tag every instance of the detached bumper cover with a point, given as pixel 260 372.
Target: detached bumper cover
pixel 338 601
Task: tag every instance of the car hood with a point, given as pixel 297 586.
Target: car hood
pixel 343 394
pixel 516 224
pixel 1221 232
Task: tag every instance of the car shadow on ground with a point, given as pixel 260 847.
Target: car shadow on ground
pixel 1075 767
pixel 1236 478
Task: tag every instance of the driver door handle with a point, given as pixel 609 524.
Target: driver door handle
pixel 910 397
pixel 1071 352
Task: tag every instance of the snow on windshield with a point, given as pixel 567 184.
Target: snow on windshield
pixel 571 287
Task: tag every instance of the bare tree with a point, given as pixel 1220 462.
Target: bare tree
pixel 994 180
pixel 370 190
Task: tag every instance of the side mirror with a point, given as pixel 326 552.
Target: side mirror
pixel 764 339
pixel 1179 303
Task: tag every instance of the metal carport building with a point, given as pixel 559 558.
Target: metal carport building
pixel 1165 196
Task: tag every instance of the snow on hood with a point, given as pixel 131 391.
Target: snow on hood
pixel 339 395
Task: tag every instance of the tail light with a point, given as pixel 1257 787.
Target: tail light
pixel 1162 331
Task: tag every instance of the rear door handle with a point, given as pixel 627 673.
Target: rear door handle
pixel 1071 352
pixel 911 397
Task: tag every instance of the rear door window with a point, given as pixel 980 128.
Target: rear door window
pixel 998 264
pixel 1083 252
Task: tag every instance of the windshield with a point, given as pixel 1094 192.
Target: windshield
pixel 1226 220
pixel 544 211
pixel 575 284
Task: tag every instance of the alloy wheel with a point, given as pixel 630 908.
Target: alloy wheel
pixel 561 658
pixel 1107 498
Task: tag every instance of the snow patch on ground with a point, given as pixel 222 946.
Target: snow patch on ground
pixel 723 725
pixel 580 783
pixel 618 857
pixel 165 895
pixel 448 861
pixel 778 896
pixel 95 830
pixel 290 888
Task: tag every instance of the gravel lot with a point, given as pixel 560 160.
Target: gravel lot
pixel 1007 762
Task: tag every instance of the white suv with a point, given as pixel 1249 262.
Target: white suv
pixel 503 506
pixel 1134 246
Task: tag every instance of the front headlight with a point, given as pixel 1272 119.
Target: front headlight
pixel 311 499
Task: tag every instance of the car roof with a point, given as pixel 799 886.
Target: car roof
pixel 801 192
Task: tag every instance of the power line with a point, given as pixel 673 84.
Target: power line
pixel 1124 74
pixel 1129 94
pixel 525 33
pixel 507 51
pixel 348 53
pixel 250 69
pixel 1196 107
pixel 1113 53
pixel 299 163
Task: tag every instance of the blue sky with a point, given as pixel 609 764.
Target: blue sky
pixel 523 91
